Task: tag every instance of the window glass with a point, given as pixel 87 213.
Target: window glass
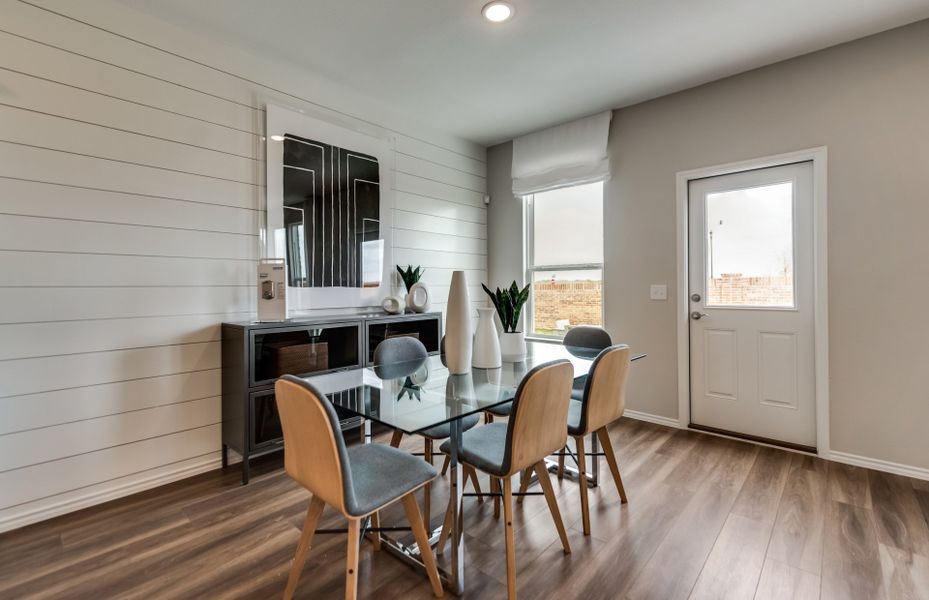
pixel 568 226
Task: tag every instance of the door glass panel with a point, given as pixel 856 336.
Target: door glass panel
pixel 749 247
pixel 564 299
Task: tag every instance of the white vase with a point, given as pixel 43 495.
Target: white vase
pixel 419 299
pixel 486 347
pixel 392 304
pixel 458 326
pixel 513 346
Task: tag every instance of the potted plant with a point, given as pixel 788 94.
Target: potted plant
pixel 509 303
pixel 418 298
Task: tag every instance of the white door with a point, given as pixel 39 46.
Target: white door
pixel 751 304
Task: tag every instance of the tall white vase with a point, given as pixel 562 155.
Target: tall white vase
pixel 486 354
pixel 458 326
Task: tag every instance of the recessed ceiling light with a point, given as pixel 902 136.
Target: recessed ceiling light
pixel 498 12
pixel 277 138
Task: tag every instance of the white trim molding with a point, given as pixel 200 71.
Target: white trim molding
pixel 657 419
pixel 818 156
pixel 135 484
pixel 880 465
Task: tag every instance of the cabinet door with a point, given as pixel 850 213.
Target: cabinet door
pixel 303 350
pixel 265 423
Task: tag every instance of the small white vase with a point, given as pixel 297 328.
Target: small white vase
pixel 513 346
pixel 458 341
pixel 419 299
pixel 486 353
pixel 392 304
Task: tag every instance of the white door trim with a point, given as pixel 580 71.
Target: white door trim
pixel 820 280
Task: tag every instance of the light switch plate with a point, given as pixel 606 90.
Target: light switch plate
pixel 658 292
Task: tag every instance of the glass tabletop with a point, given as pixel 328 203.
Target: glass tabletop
pixel 416 395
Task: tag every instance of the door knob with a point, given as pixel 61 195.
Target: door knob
pixel 697 315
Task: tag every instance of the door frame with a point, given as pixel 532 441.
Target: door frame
pixel 818 156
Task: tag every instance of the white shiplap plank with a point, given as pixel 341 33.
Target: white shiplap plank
pixel 440 208
pixel 436 189
pixel 19 450
pixel 420 240
pixel 18 377
pixel 76 404
pixel 449 158
pixel 53 269
pixel 37 94
pixel 32 304
pixel 40 164
pixel 67 202
pixel 446 260
pixel 442 277
pixel 58 133
pixel 34 340
pixel 56 64
pixel 427 223
pixel 35 23
pixel 62 235
pixel 60 476
pixel 437 172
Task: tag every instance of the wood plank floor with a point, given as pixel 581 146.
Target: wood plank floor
pixel 707 518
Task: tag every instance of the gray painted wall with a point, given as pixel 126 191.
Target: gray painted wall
pixel 868 101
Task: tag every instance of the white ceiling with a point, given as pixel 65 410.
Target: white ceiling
pixel 438 61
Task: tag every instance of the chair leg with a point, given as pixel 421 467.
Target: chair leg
pixel 422 540
pixel 375 535
pixel 471 475
pixel 582 476
pixel 306 538
pixel 542 473
pixel 446 530
pixel 351 560
pixel 510 541
pixel 495 489
pixel 445 464
pixel 395 438
pixel 427 489
pixel 488 418
pixel 524 484
pixel 604 436
pixel 561 462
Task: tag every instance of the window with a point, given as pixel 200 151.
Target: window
pixel 564 259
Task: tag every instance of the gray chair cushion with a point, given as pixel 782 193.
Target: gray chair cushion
pixel 381 474
pixel 399 349
pixel 587 336
pixel 441 432
pixel 575 409
pixel 483 447
pixel 501 410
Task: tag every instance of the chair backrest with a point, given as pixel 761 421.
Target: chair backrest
pixel 587 336
pixel 605 392
pixel 539 418
pixel 399 349
pixel 314 451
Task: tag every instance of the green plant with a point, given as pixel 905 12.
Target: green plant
pixel 509 304
pixel 410 276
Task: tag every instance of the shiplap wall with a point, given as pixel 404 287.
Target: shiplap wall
pixel 131 185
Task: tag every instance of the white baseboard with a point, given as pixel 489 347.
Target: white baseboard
pixel 657 419
pixel 880 465
pixel 134 485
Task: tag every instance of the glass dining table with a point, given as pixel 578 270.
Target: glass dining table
pixel 416 395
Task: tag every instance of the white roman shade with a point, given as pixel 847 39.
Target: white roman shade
pixel 568 154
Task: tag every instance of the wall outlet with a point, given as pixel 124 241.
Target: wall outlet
pixel 658 292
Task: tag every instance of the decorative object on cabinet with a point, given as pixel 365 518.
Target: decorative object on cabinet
pixel 458 332
pixel 420 298
pixel 255 354
pixel 393 304
pixel 486 353
pixel 329 198
pixel 509 304
pixel 410 276
pixel 272 289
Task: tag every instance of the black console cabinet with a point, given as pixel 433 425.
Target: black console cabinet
pixel 255 354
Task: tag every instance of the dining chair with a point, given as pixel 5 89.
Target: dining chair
pixel 409 350
pixel 357 481
pixel 603 402
pixel 536 429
